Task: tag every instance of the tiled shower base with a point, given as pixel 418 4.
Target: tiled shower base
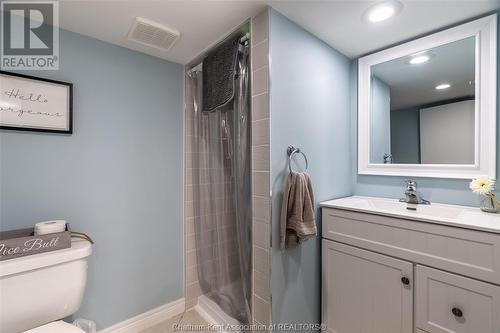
pixel 213 314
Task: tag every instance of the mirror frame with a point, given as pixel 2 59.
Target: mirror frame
pixel 485 32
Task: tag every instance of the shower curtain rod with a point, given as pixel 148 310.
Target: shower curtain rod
pixel 198 67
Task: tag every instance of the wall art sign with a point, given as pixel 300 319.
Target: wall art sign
pixel 34 104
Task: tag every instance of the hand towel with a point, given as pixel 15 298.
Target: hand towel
pixel 298 222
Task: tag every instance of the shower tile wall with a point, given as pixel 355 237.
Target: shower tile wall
pixel 191 185
pixel 261 207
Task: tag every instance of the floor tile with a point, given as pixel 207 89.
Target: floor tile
pixel 191 317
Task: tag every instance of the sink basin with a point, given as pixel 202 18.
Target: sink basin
pixel 438 211
pixel 459 216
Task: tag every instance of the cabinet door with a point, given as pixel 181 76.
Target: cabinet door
pixel 365 292
pixel 448 303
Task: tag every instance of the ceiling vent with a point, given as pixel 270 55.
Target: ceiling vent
pixel 147 32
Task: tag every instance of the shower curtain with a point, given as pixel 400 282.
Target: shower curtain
pixel 222 201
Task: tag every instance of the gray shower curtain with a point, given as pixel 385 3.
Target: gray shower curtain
pixel 222 201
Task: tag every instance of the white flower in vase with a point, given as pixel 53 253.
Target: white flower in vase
pixel 482 186
pixel 485 186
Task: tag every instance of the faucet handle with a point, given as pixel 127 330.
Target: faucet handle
pixel 411 185
pixel 411 182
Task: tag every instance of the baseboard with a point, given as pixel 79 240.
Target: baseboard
pixel 148 319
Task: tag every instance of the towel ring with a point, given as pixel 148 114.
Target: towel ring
pixel 291 150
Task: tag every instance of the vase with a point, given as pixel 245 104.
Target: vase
pixel 490 204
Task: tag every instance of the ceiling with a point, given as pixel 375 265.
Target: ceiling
pixel 413 85
pixel 202 23
pixel 339 23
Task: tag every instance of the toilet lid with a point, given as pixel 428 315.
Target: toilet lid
pixel 56 327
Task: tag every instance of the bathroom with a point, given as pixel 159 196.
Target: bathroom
pixel 169 181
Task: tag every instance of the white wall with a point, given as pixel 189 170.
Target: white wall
pixel 447 133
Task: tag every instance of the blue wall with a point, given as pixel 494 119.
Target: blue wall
pixel 380 142
pixel 309 109
pixel 117 178
pixel 451 191
pixel 405 136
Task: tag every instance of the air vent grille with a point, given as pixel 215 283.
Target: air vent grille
pixel 152 34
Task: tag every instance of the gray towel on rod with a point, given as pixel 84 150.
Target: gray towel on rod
pixel 298 222
pixel 219 69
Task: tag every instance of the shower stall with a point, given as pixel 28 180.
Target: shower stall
pixel 219 168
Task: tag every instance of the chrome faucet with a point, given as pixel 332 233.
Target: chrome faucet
pixel 412 196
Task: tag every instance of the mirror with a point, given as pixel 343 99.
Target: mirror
pixel 428 107
pixel 420 102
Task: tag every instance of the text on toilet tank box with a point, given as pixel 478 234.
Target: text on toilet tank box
pixel 30 245
pixel 23 242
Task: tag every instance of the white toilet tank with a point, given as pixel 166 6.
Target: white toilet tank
pixel 42 288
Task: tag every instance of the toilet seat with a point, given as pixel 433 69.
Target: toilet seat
pixel 55 327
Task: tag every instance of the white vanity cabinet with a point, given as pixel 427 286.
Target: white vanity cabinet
pixel 367 291
pixel 448 302
pixel 390 274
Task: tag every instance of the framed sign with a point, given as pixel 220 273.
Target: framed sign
pixel 34 104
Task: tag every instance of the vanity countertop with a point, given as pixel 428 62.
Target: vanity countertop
pixel 453 215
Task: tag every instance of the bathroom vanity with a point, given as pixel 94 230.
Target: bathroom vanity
pixel 415 266
pixel 387 269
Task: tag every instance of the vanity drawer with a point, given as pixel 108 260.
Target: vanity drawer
pixel 447 303
pixel 467 252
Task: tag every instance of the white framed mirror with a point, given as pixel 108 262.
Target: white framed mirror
pixel 427 108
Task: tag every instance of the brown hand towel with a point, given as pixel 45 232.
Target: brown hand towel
pixel 297 210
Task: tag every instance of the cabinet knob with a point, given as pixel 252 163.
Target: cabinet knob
pixel 405 280
pixel 457 312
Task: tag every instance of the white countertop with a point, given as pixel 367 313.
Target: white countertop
pixel 453 215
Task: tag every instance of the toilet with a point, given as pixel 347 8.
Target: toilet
pixel 38 291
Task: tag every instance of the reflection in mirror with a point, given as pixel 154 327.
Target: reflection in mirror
pixel 423 107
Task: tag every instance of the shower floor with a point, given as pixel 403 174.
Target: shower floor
pixel 212 313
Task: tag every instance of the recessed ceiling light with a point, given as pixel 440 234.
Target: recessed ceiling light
pixel 382 11
pixel 419 59
pixel 443 86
